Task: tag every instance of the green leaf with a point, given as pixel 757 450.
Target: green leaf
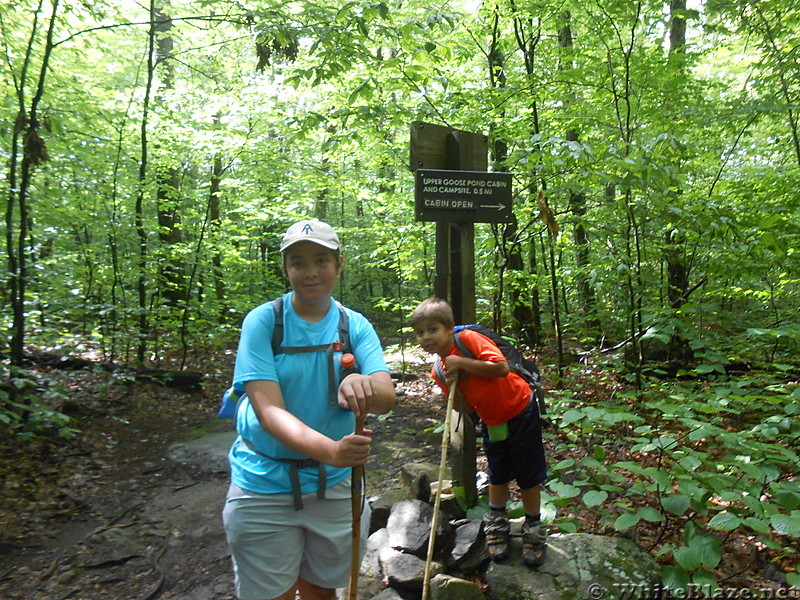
pixel 564 490
pixel 476 512
pixel 564 464
pixel 726 521
pixel 648 513
pixel 599 452
pixel 516 510
pixel 757 524
pixel 710 549
pixel 571 416
pixel 675 504
pixel 773 544
pixel 704 582
pixel 676 580
pixel 567 525
pixel 688 558
pixel 787 500
pixel 594 498
pixel 626 521
pixel 690 462
pixel 661 478
pixel 787 524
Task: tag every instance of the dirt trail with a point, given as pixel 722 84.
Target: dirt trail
pixel 108 514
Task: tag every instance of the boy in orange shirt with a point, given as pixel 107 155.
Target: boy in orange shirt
pixel 512 433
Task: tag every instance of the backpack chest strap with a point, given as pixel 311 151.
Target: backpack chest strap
pixel 341 345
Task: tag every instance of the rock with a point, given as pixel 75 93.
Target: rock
pixel 774 574
pixel 410 471
pixel 415 481
pixel 111 546
pixel 446 587
pixel 469 550
pixel 577 567
pixel 371 563
pixel 420 487
pixel 447 488
pixel 450 507
pixel 368 587
pixel 370 577
pixel 406 571
pixel 409 528
pixel 388 594
pixel 381 506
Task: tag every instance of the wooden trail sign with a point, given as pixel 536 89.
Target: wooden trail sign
pixel 462 196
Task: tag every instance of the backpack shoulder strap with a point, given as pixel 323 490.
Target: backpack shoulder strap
pixel 277 330
pixel 344 328
pixel 341 345
pixel 461 346
pixel 439 370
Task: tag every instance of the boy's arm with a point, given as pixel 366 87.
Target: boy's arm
pixel 485 368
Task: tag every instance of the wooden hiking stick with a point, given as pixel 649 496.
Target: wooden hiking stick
pixel 356 500
pixel 438 501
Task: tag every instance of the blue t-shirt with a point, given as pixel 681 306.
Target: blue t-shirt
pixel 303 378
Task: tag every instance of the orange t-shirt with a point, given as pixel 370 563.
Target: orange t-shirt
pixel 495 399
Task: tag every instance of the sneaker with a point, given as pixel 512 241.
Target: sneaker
pixel 498 532
pixel 534 543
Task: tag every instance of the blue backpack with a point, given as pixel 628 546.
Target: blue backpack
pixel 233 395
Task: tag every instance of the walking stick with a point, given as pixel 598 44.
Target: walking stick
pixel 438 500
pixel 356 499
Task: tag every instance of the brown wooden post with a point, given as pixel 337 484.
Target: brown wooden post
pixel 441 282
pixel 456 202
pixel 460 151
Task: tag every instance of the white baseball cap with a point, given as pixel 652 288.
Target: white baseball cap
pixel 311 231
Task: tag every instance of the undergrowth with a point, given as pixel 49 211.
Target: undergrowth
pixel 702 472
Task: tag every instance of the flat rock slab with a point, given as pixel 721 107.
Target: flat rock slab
pixel 578 566
pixel 208 453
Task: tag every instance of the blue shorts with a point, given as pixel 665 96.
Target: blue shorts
pixel 521 455
pixel 272 544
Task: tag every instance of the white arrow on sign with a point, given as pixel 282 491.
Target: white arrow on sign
pixel 497 206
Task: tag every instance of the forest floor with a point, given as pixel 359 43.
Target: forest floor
pixel 105 514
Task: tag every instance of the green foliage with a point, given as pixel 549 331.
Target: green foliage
pixel 671 165
pixel 701 458
pixel 672 175
pixel 28 405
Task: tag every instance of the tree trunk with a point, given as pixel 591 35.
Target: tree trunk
pixel 577 199
pixel 26 137
pixel 526 306
pixel 215 225
pixel 172 281
pixel 511 249
pixel 674 238
pixel 677 270
pixel 141 286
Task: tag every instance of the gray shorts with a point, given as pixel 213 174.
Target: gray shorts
pixel 272 544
